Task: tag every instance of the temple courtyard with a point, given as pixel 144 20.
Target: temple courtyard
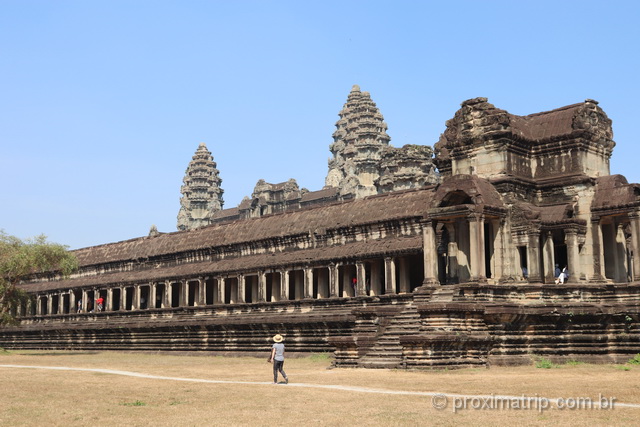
pixel 120 388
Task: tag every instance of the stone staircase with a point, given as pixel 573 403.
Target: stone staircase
pixel 387 351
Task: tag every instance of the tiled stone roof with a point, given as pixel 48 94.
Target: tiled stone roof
pixel 349 213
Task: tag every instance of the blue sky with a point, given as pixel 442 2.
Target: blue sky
pixel 103 103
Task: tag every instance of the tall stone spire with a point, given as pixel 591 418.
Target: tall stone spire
pixel 360 140
pixel 201 192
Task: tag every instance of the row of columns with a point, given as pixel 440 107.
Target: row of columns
pixel 161 294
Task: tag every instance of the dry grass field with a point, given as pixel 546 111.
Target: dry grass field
pixel 39 397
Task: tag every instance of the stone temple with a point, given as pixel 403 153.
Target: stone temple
pixel 409 257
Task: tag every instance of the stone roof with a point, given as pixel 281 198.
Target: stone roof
pixel 325 193
pixel 349 213
pixel 546 124
pixel 480 190
pixel 614 191
pixel 245 263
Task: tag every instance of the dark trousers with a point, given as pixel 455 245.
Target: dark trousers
pixel 277 367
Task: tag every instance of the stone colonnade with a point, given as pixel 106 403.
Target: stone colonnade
pixel 375 276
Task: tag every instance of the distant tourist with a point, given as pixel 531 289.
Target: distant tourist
pixel 525 273
pixel 99 303
pixel 354 285
pixel 277 358
pixel 564 275
pixel 557 271
pixel 79 310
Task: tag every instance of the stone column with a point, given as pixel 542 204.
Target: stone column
pixel 202 292
pixel 108 306
pixel 620 245
pixel 405 284
pixel 452 254
pixel 499 264
pixel 72 302
pixel 635 246
pixel 548 258
pixel 84 299
pixel 533 256
pixel 220 288
pixel 184 293
pixel 262 286
pixel 166 295
pixel 308 283
pixel 123 298
pixel 284 285
pixel 242 285
pixel 49 304
pixel 573 256
pixel 476 248
pixel 598 250
pixel 430 252
pixel 136 297
pixel 361 276
pixel 334 276
pixel 38 305
pixel 152 295
pixel 389 276
pixel 60 303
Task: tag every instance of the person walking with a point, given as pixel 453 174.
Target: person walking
pixel 277 358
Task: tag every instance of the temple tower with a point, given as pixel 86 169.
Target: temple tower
pixel 201 192
pixel 360 140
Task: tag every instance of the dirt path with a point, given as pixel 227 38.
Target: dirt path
pixel 434 395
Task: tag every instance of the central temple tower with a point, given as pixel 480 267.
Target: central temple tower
pixel 359 143
pixel 201 192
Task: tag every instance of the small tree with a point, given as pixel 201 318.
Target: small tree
pixel 20 259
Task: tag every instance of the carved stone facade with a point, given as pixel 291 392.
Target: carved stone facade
pixel 201 192
pixel 453 274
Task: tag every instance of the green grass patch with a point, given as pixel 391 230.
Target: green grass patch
pixel 623 367
pixel 574 363
pixel 320 357
pixel 544 363
pixel 134 403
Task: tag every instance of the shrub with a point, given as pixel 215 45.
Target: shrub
pixel 544 363
pixel 635 360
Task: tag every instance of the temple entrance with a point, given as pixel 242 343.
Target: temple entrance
pixel 209 289
pixel 320 283
pixel 615 251
pixel 54 304
pixel 296 284
pixel 560 251
pixel 160 292
pixel 193 289
pixel 115 296
pixel 174 294
pixel 128 297
pixel 273 286
pixel 65 304
pixel 144 297
pixel 231 290
pixel 522 252
pixel 346 274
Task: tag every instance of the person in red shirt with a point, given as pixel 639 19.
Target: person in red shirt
pixel 99 303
